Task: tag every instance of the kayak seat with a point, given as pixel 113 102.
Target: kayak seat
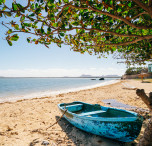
pixel 92 113
pixel 74 108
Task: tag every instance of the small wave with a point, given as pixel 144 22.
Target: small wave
pixel 55 92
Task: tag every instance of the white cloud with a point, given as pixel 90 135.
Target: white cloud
pixel 60 72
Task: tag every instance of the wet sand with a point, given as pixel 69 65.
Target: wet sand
pixel 25 122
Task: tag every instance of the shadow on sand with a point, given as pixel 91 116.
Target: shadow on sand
pixel 146 82
pixel 82 138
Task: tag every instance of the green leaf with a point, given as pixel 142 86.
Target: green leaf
pixel 22 18
pixel 18 14
pixel 15 37
pixel 38 10
pixel 129 4
pixel 66 1
pixel 16 26
pixel 81 31
pixel 9 42
pixel 77 30
pixel 14 7
pixel 28 40
pixel 2 1
pixel 52 1
pixel 103 39
pixel 31 15
pixel 36 5
pixel 8 14
pixel 32 6
pixel 119 10
pixel 48 30
pixel 9 31
pixel 42 30
pixel 20 7
pixel 70 26
pixel 61 34
pixel 28 24
pixel 52 18
pixel 46 8
pixel 55 24
pixel 111 2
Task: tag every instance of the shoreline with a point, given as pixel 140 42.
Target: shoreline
pixel 55 93
pixel 24 122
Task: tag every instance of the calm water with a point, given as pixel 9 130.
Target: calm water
pixel 18 88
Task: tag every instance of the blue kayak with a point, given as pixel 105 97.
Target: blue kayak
pixel 113 123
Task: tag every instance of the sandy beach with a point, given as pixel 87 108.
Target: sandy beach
pixel 27 122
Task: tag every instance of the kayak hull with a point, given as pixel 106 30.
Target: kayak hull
pixel 99 122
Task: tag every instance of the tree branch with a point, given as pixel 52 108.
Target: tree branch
pixel 150 3
pixel 120 44
pixel 105 13
pixel 139 15
pixel 144 6
pixel 120 18
pixel 27 32
pixel 99 30
pixel 147 100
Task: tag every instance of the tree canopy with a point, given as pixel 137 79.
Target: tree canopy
pixel 93 26
pixel 136 70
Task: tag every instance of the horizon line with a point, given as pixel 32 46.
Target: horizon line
pixel 106 76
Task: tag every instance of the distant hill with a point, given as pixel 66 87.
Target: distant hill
pixel 106 76
pixel 112 76
pixel 86 76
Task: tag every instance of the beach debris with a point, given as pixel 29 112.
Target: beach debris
pixel 9 129
pixel 57 120
pixel 45 142
pixel 2 133
pixel 34 142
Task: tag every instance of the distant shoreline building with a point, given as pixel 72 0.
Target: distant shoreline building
pixel 149 67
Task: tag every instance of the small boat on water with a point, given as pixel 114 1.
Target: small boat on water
pixel 101 79
pixel 113 123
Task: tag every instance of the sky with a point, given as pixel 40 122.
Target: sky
pixel 30 60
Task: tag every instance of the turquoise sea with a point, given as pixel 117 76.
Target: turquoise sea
pixel 21 88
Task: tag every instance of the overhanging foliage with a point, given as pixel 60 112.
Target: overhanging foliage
pixel 92 26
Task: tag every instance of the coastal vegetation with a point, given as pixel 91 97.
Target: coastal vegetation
pixel 97 27
pixel 136 70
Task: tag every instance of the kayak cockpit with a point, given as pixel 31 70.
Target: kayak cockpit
pixel 96 111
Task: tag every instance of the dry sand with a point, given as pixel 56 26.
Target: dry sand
pixel 24 122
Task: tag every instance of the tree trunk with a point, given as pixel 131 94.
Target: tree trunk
pixel 146 140
pixel 147 100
